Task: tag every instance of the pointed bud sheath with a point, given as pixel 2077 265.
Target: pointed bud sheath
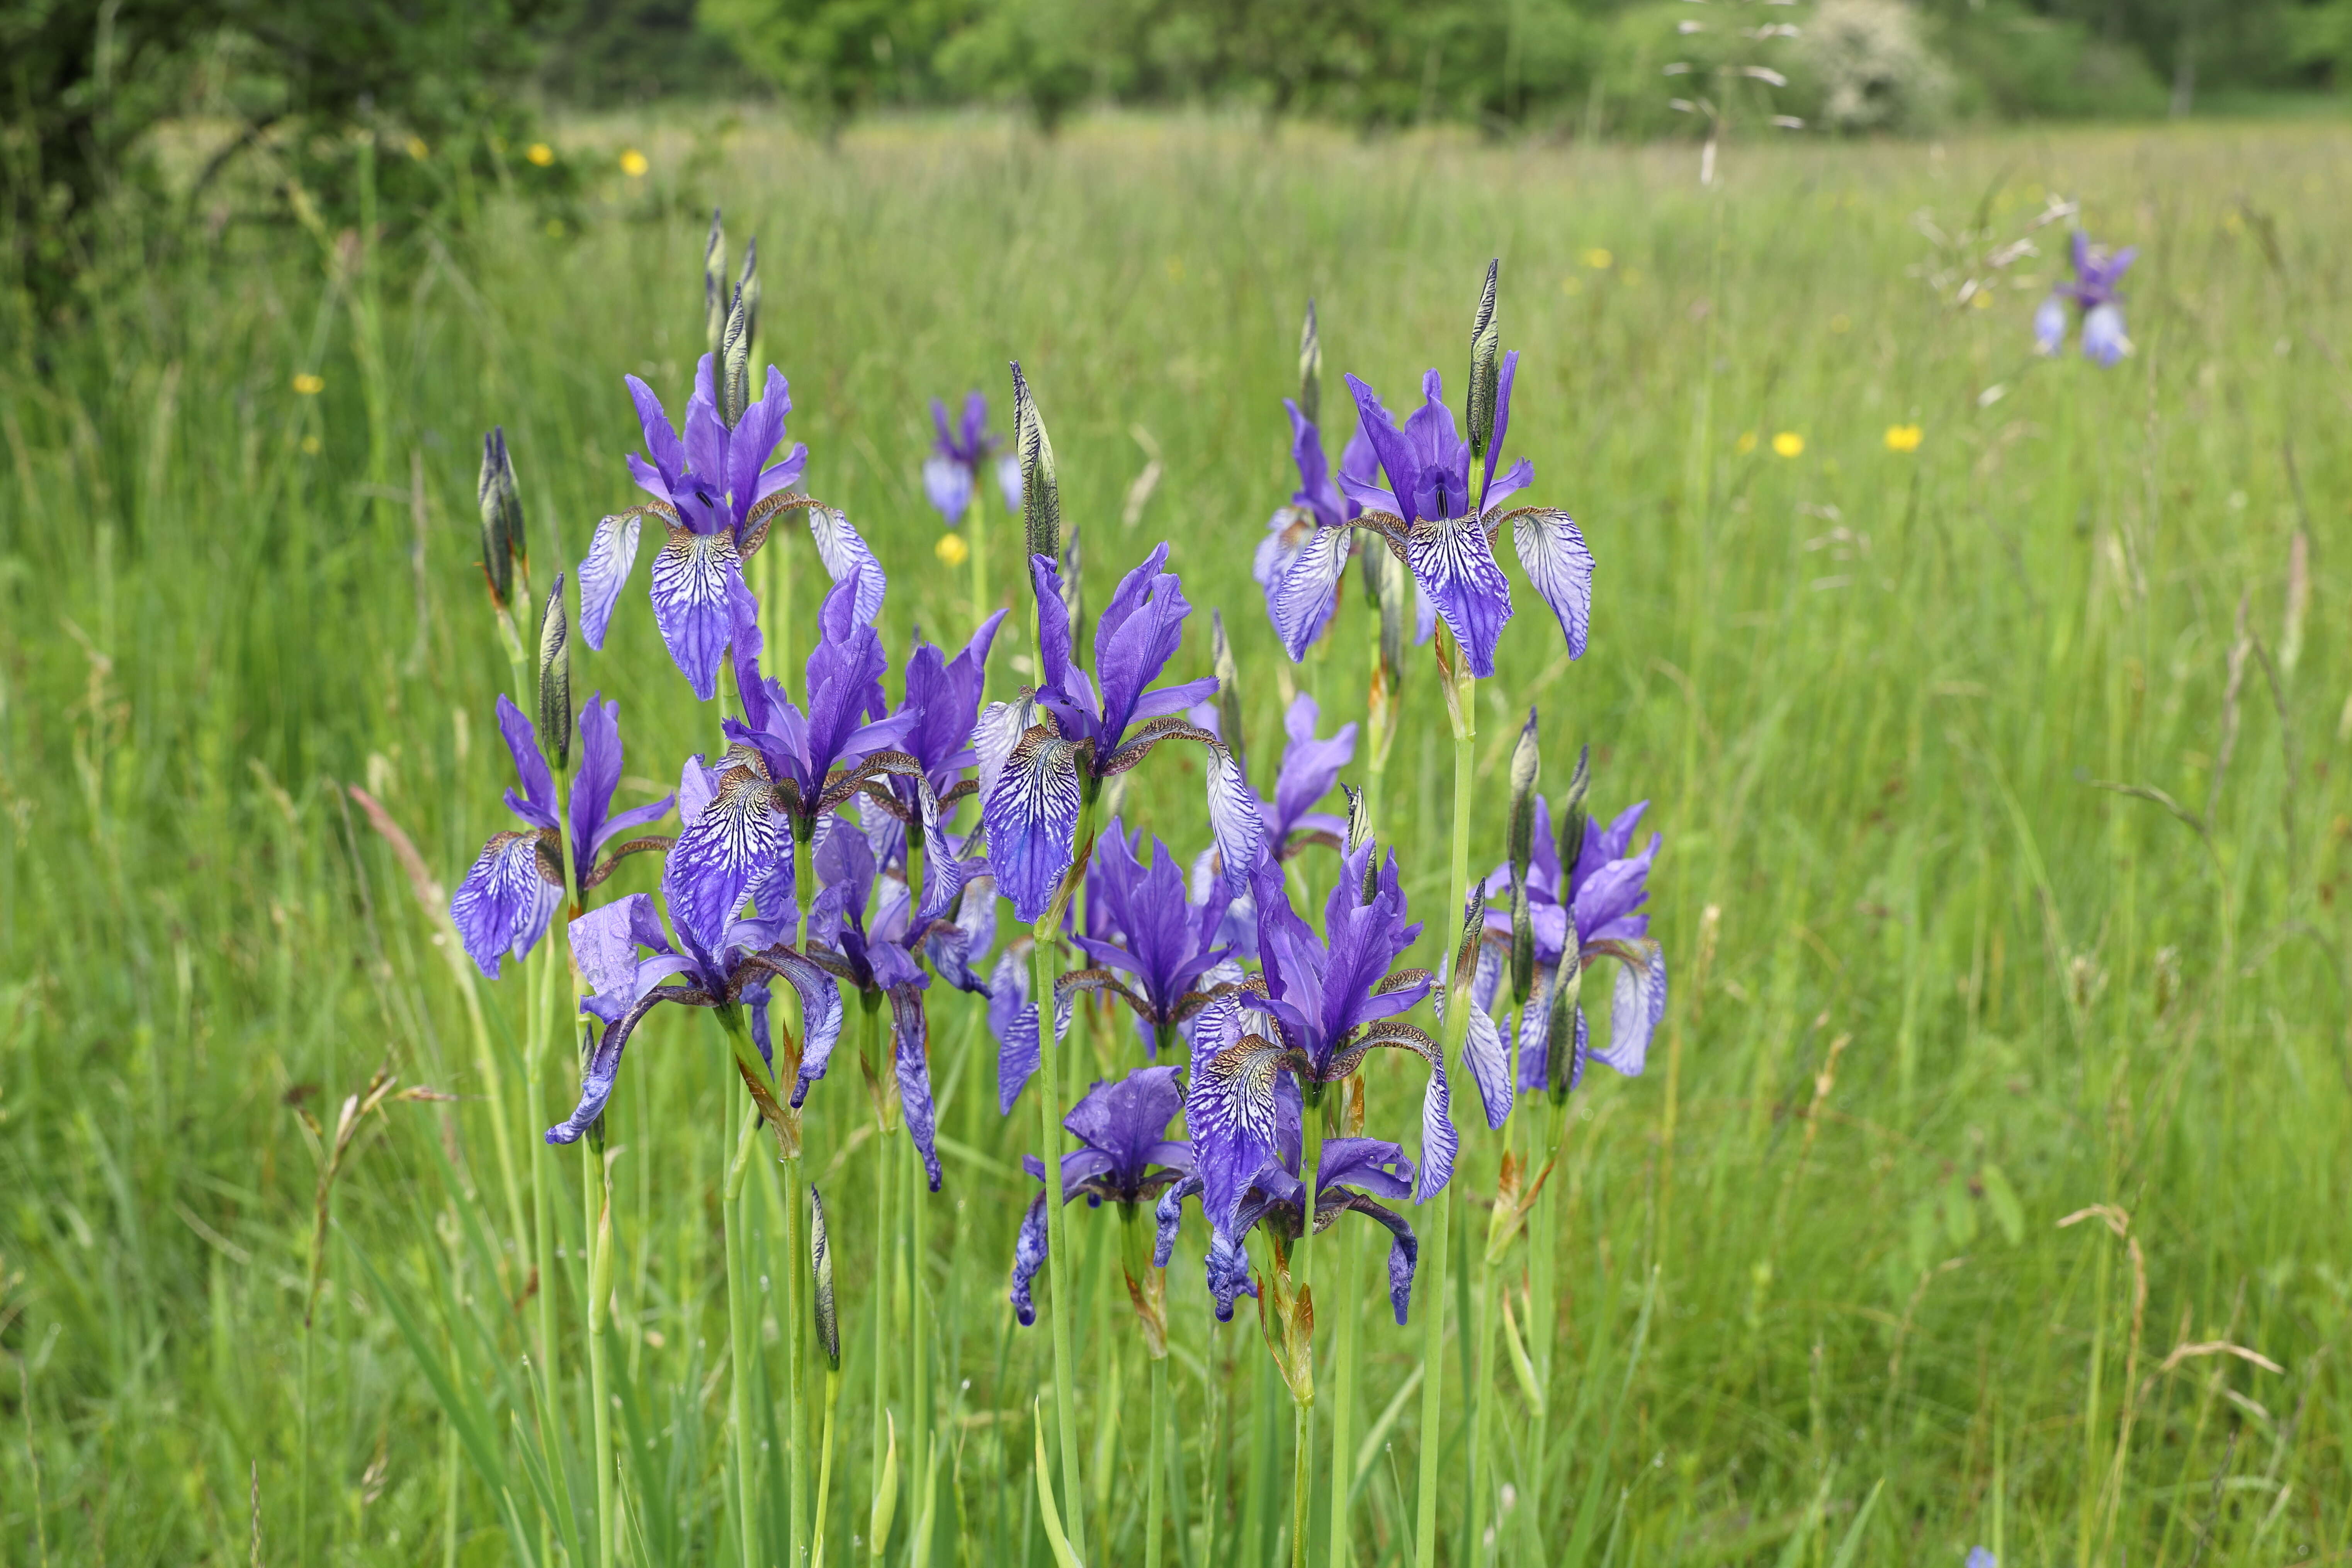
pixel 600 1273
pixel 1572 814
pixel 1040 497
pixel 885 1489
pixel 829 1321
pixel 1465 956
pixel 501 507
pixel 748 285
pixel 1229 688
pixel 735 363
pixel 1527 769
pixel 1486 340
pixel 714 284
pixel 1360 819
pixel 1310 369
pixel 555 679
pixel 1559 1053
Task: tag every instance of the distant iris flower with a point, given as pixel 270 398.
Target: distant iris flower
pixel 1442 530
pixel 1124 1156
pixel 1038 759
pixel 1598 904
pixel 1317 503
pixel 1328 1001
pixel 2097 270
pixel 730 968
pixel 951 473
pixel 510 891
pixel 1350 1173
pixel 717 495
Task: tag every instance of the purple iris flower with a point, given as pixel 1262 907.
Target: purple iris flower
pixel 729 970
pixel 2097 270
pixel 951 473
pixel 1599 906
pixel 1124 1156
pixel 1039 762
pixel 1351 1174
pixel 875 953
pixel 1328 1001
pixel 510 891
pixel 1444 531
pixel 1317 503
pixel 1166 943
pixel 716 494
pixel 820 757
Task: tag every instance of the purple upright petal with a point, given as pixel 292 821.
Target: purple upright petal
pixel 1397 459
pixel 662 444
pixel 536 804
pixel 1487 495
pixel 754 437
pixel 1310 766
pixel 1137 633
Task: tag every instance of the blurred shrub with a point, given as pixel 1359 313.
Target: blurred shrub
pixel 1868 67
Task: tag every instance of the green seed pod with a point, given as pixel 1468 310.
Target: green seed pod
pixel 1485 342
pixel 501 508
pixel 829 1321
pixel 1229 690
pixel 555 679
pixel 1041 499
pixel 1572 816
pixel 735 363
pixel 1310 369
pixel 714 283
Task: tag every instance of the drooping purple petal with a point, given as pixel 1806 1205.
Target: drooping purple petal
pixel 1013 1020
pixel 1032 818
pixel 911 1036
pixel 948 485
pixel 1235 823
pixel 505 900
pixel 1028 1257
pixel 611 553
pixel 845 555
pixel 1167 1215
pixel 2104 341
pixel 603 1067
pixel 956 958
pixel 1453 561
pixel 737 839
pixel 693 578
pixel 1560 567
pixel 1127 1119
pixel 1303 597
pixel 1439 1142
pixel 1229 1107
pixel 1489 1061
pixel 1637 1004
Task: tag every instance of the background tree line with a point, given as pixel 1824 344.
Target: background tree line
pixel 318 92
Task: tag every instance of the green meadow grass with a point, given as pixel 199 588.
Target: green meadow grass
pixel 1935 992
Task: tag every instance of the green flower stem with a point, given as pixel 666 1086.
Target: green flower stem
pixel 1461 693
pixel 1343 1392
pixel 978 542
pixel 1044 970
pixel 542 1209
pixel 1154 1478
pixel 886 1244
pixel 918 1417
pixel 598 1220
pixel 1542 1308
pixel 824 1467
pixel 797 1286
pixel 1310 1159
pixel 739 1300
pixel 1481 1394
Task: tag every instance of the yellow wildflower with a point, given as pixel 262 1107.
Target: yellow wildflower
pixel 540 153
pixel 952 550
pixel 1599 261
pixel 1788 443
pixel 1745 444
pixel 633 165
pixel 310 385
pixel 1903 437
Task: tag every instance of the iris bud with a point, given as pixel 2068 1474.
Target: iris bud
pixel 829 1321
pixel 1527 768
pixel 1229 688
pixel 1572 816
pixel 714 284
pixel 1486 341
pixel 555 679
pixel 735 363
pixel 501 508
pixel 748 285
pixel 1040 497
pixel 1310 369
